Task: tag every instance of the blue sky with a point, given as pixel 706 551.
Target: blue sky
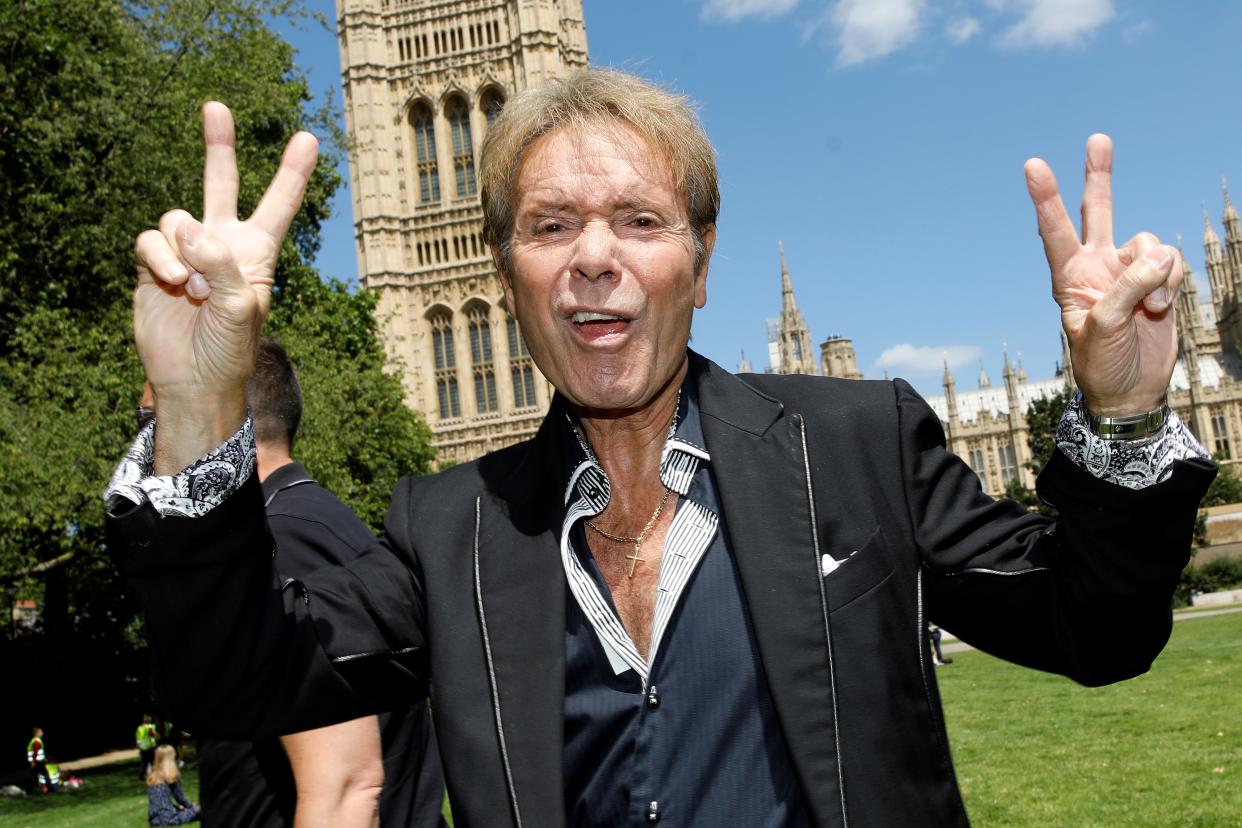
pixel 882 141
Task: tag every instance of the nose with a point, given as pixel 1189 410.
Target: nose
pixel 595 252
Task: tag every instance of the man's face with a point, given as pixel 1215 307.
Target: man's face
pixel 602 275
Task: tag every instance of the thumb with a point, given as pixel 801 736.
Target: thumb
pixel 214 270
pixel 1145 275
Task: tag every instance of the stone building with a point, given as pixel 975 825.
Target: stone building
pixel 422 80
pixel 986 426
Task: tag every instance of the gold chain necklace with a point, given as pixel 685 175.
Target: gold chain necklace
pixel 638 541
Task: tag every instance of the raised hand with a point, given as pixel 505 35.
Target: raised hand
pixel 203 292
pixel 1116 302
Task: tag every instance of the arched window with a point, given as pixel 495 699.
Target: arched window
pixel 521 368
pixel 492 103
pixel 425 153
pixel 458 115
pixel 445 365
pixel 481 359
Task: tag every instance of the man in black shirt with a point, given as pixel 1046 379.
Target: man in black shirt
pixel 331 774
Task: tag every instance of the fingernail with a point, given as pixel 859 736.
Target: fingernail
pixel 192 233
pixel 1160 296
pixel 1159 257
pixel 197 286
pixel 177 270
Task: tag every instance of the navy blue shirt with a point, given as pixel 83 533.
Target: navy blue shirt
pixel 690 738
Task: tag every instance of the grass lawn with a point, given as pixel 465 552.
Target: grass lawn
pixel 1163 749
pixel 113 797
pixel 1031 749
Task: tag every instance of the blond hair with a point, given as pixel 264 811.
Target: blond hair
pixel 164 767
pixel 590 97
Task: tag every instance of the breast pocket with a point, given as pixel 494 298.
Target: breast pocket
pixel 860 573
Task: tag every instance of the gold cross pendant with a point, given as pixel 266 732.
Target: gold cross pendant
pixel 634 559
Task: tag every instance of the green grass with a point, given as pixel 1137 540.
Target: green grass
pixel 1163 749
pixel 113 797
pixel 1031 749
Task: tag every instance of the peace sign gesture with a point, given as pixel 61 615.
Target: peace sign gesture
pixel 1116 302
pixel 203 292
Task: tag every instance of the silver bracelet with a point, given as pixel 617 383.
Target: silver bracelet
pixel 1130 427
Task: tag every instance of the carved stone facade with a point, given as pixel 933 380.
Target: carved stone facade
pixel 422 80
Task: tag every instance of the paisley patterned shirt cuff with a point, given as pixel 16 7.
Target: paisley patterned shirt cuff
pixel 1135 464
pixel 196 490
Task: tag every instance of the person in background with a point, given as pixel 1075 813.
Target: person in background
pixel 933 636
pixel 334 775
pixel 166 802
pixel 146 737
pixel 36 756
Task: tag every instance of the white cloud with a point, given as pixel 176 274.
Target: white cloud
pixel 924 359
pixel 1057 22
pixel 870 29
pixel 731 11
pixel 962 29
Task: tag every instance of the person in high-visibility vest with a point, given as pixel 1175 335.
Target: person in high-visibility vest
pixel 36 755
pixel 146 737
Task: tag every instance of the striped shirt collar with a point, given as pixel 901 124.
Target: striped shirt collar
pixel 587 493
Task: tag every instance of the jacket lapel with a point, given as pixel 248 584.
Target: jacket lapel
pixel 521 593
pixel 761 475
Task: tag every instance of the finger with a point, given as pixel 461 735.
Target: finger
pixel 1148 273
pixel 1136 246
pixel 1097 192
pixel 220 180
pixel 214 270
pixel 283 198
pixel 1055 228
pixel 153 254
pixel 1163 297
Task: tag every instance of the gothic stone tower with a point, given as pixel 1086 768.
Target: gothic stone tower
pixel 795 352
pixel 422 80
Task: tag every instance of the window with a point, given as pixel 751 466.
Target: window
pixel 978 464
pixel 491 104
pixel 463 147
pixel 425 152
pixel 446 366
pixel 1008 465
pixel 1220 436
pixel 521 369
pixel 481 360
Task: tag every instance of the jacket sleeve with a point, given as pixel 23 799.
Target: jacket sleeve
pixel 239 654
pixel 1088 595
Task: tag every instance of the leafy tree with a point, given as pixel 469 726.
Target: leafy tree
pixel 1042 417
pixel 98 136
pixel 1225 489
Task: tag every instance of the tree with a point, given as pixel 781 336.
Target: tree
pixel 98 136
pixel 1042 417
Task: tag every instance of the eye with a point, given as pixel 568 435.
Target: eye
pixel 644 222
pixel 543 228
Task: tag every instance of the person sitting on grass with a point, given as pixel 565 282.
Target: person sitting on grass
pixel 166 802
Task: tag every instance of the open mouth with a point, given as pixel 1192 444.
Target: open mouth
pixel 594 325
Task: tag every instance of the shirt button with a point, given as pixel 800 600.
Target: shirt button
pixel 653 812
pixel 653 698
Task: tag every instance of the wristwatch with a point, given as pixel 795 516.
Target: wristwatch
pixel 1132 426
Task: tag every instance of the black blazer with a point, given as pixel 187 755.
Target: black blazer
pixel 464 598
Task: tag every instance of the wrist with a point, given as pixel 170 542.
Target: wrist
pixel 1130 425
pixel 185 431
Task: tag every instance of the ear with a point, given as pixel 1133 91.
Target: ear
pixel 506 280
pixel 708 237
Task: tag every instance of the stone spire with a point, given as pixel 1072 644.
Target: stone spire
pixel 1189 321
pixel 1011 384
pixel 1218 270
pixel 984 382
pixel 743 365
pixel 950 392
pixel 795 339
pixel 1233 240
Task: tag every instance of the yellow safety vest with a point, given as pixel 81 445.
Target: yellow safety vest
pixel 145 736
pixel 34 751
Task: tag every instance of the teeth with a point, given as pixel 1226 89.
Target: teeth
pixel 588 316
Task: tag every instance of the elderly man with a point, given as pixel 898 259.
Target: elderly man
pixel 691 598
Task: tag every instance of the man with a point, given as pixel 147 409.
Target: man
pixel 692 598
pixel 146 738
pixel 36 757
pixel 337 771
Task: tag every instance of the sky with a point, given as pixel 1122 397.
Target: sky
pixel 882 142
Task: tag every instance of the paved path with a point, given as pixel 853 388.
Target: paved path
pixel 103 759
pixel 961 647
